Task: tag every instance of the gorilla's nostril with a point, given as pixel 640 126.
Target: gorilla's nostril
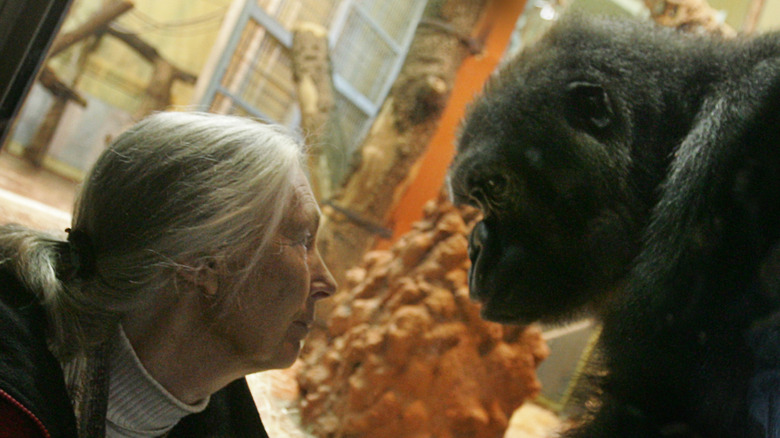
pixel 489 192
pixel 478 198
pixel 478 235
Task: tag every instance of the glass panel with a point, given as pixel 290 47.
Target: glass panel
pixel 269 86
pixel 392 16
pixel 362 57
pixel 260 74
pixel 347 134
pixel 243 57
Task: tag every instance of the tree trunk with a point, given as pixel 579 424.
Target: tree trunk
pixel 401 132
pixel 312 76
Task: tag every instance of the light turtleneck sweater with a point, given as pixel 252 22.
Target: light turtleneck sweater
pixel 138 406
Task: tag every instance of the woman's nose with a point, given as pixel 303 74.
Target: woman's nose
pixel 323 284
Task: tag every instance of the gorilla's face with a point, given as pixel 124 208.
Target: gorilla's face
pixel 544 157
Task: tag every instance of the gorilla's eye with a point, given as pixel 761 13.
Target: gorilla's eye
pixel 488 192
pixel 496 184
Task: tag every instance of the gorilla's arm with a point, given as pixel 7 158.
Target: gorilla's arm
pixel 707 272
pixel 712 168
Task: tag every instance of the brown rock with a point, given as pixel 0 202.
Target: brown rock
pixel 404 351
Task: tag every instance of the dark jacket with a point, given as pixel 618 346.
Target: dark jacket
pixel 35 403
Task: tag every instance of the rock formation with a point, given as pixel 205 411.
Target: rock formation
pixel 404 352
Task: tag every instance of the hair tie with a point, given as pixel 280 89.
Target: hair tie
pixel 81 253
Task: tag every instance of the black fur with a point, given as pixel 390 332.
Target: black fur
pixel 634 171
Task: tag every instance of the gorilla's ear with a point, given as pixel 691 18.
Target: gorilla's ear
pixel 588 106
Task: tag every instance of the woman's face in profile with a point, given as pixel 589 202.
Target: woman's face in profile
pixel 275 307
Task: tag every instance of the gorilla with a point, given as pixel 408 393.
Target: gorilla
pixel 633 172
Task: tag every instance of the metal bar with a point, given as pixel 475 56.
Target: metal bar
pixel 397 65
pixel 227 54
pixel 339 20
pixel 353 95
pixel 245 105
pixel 394 46
pixel 399 61
pixel 271 25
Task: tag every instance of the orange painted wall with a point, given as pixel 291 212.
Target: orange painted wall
pixel 470 78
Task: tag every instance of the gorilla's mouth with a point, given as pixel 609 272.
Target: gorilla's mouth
pixel 500 278
pixel 483 277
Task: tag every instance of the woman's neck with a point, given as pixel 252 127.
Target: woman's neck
pixel 138 405
pixel 176 348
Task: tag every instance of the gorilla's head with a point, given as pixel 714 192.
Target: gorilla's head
pixel 547 155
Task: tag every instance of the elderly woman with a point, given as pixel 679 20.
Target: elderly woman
pixel 190 263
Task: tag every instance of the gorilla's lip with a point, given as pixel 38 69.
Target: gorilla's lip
pixel 502 317
pixel 497 311
pixel 485 296
pixel 477 293
pixel 494 306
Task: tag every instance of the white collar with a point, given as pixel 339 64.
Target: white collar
pixel 138 405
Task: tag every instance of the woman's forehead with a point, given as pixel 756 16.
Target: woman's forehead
pixel 303 207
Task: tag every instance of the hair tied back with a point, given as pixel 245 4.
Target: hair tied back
pixel 80 257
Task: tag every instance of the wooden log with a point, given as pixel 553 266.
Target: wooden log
pixel 314 84
pixel 58 88
pixel 93 25
pixel 148 52
pixel 36 149
pixel 158 91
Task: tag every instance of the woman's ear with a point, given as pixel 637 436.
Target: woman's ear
pixel 204 278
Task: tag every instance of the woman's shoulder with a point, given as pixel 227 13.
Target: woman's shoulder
pixel 29 374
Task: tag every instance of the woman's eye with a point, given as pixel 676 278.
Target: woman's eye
pixel 306 241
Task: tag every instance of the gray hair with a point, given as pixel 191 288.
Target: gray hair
pixel 175 191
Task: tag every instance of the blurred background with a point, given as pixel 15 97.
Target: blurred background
pixel 362 80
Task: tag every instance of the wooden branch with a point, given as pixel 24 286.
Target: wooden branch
pixel 688 15
pixel 148 52
pixel 158 91
pixel 93 25
pixel 136 43
pixel 58 88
